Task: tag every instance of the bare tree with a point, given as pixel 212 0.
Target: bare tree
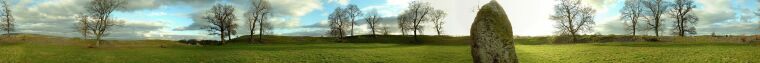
pixel 100 11
pixel 418 13
pixel 7 21
pixel 437 18
pixel 232 30
pixel 632 13
pixel 352 12
pixel 654 10
pixel 757 13
pixel 404 22
pixel 257 16
pixel 83 25
pixel 339 23
pixel 573 18
pixel 384 29
pixel 373 19
pixel 685 18
pixel 221 17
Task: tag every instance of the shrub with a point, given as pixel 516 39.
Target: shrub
pixel 199 42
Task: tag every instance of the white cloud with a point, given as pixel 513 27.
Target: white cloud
pixel 295 8
pixel 341 2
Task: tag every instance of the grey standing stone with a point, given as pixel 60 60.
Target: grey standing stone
pixel 491 34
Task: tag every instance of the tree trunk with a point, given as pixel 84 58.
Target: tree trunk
pixel 97 42
pixel 416 40
pixel 250 37
pixel 372 28
pixel 352 26
pixel 633 21
pixel 657 26
pixel 261 32
pixel 222 35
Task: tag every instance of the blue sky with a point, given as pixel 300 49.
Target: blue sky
pixel 178 19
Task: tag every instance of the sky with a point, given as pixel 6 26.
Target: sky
pixel 180 19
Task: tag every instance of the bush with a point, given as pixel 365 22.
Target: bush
pixel 599 38
pixel 532 40
pixel 200 42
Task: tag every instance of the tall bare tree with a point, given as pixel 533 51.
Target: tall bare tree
pixel 632 13
pixel 7 21
pixel 221 17
pixel 437 18
pixel 418 13
pixel 352 12
pixel 373 19
pixel 654 9
pixel 257 17
pixel 339 23
pixel 573 18
pixel 685 18
pixel 100 11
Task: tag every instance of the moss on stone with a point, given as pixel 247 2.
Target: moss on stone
pixel 491 33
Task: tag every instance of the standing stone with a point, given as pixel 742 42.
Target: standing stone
pixel 491 34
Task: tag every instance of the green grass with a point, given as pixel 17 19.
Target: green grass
pixel 657 52
pixel 268 53
pixel 45 49
pixel 637 52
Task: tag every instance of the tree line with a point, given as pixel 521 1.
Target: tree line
pixel 342 20
pixel 573 17
pixel 97 21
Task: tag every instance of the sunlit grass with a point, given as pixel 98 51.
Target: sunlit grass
pixel 636 52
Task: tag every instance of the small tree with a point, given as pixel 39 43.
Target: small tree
pixel 221 17
pixel 373 19
pixel 100 11
pixel 257 16
pixel 384 29
pixel 404 22
pixel 352 12
pixel 339 23
pixel 573 18
pixel 632 12
pixel 416 14
pixel 654 10
pixel 758 13
pixel 685 18
pixel 83 25
pixel 437 18
pixel 7 21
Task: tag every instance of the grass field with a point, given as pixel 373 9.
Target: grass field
pixel 383 53
pixel 270 53
pixel 45 49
